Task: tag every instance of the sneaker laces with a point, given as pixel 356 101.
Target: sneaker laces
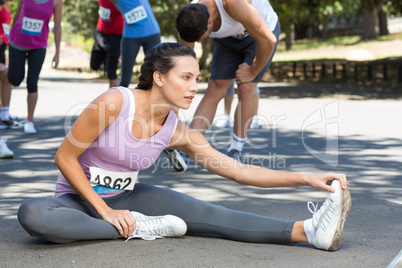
pixel 317 213
pixel 315 207
pixel 315 210
pixel 148 228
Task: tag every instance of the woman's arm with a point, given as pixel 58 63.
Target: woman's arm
pixel 256 26
pixel 57 31
pixel 93 120
pixel 197 147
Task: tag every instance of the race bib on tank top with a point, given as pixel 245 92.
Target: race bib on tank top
pixel 32 26
pixel 113 179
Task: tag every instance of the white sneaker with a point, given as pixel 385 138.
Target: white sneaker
pixel 223 122
pixel 179 160
pixel 4 151
pixel 235 154
pixel 254 124
pixel 12 117
pixel 29 127
pixel 329 220
pixel 152 227
pixel 10 124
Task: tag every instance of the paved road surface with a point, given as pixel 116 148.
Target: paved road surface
pixel 306 130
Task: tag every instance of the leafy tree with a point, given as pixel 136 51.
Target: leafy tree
pixel 13 6
pixel 393 8
pixel 81 16
pixel 165 12
pixel 288 13
pixel 300 15
pixel 338 9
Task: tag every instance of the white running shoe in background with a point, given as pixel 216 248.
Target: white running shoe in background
pixel 12 117
pixel 29 127
pixel 10 124
pixel 178 159
pixel 235 154
pixel 4 151
pixel 152 227
pixel 329 220
pixel 223 122
pixel 254 124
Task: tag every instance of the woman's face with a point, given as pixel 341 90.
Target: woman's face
pixel 180 84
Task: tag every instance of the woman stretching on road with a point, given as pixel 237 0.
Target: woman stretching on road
pixel 122 132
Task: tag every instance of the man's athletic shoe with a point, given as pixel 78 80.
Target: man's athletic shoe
pixel 152 227
pixel 254 124
pixel 235 154
pixel 178 159
pixel 12 117
pixel 4 151
pixel 10 123
pixel 223 122
pixel 29 127
pixel 329 220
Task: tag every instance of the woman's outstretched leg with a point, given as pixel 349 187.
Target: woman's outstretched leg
pixel 203 217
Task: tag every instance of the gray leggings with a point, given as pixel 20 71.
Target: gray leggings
pixel 68 218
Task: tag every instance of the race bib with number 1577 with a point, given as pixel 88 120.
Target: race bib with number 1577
pixel 113 179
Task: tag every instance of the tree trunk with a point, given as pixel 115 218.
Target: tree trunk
pixel 301 30
pixel 207 50
pixel 370 9
pixel 382 18
pixel 369 20
pixel 324 32
pixel 288 37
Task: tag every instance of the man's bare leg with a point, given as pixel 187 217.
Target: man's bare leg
pixel 228 103
pixel 245 109
pixel 206 110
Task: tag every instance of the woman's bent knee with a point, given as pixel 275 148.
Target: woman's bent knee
pixel 15 81
pixel 33 217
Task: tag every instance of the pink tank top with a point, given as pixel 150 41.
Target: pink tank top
pixel 112 160
pixel 31 29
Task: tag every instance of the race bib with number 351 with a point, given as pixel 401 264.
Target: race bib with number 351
pixel 135 15
pixel 113 179
pixel 32 26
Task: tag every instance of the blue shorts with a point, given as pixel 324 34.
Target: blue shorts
pixel 230 52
